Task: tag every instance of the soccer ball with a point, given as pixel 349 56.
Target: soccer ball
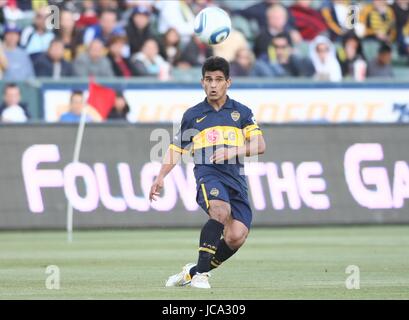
pixel 212 25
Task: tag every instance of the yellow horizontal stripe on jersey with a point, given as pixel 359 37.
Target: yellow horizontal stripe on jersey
pixel 254 133
pixel 252 130
pixel 223 135
pixel 177 149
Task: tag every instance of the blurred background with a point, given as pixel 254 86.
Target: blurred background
pixel 327 80
pixel 127 44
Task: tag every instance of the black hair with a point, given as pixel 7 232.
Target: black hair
pixel 76 93
pixel 216 64
pixel 384 48
pixel 10 85
pixel 56 40
pixel 283 35
pixel 352 35
pixel 103 11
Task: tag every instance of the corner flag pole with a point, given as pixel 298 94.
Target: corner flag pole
pixel 76 156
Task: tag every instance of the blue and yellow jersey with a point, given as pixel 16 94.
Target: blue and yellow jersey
pixel 203 130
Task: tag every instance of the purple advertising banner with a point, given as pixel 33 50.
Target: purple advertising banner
pixel 321 174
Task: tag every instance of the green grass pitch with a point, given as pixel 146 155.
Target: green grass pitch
pixel 276 263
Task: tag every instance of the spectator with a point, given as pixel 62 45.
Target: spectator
pixel 178 15
pixel 351 56
pixel 170 46
pixel 258 11
pixel 379 20
pixel 401 10
pixel 106 28
pixel 36 39
pixel 194 54
pixel 3 8
pixel 52 63
pixel 3 60
pixel 12 109
pixel 70 34
pixel 121 66
pixel 323 57
pixel 335 14
pixel 229 47
pixel 381 65
pixel 148 61
pixel 120 109
pixel 404 42
pixel 307 20
pixel 89 16
pixel 93 62
pixel 280 61
pixel 111 5
pixel 277 23
pixel 242 65
pixel 74 6
pixel 76 108
pixel 138 28
pixel 19 65
pixel 11 11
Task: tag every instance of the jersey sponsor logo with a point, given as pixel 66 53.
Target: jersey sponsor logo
pixel 235 115
pixel 229 135
pixel 218 135
pixel 214 192
pixel 198 120
pixel 212 136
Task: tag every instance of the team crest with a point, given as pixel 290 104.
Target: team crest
pixel 235 115
pixel 214 192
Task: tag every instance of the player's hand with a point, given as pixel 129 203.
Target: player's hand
pixel 156 188
pixel 223 154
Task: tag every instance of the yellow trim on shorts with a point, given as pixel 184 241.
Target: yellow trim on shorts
pixel 205 195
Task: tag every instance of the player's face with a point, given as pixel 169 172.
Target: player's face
pixel 215 85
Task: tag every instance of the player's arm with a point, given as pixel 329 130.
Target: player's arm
pixel 253 146
pixel 170 159
pixel 179 145
pixel 254 143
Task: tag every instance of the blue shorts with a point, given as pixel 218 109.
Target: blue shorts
pixel 216 190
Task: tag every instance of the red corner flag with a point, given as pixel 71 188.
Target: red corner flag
pixel 101 98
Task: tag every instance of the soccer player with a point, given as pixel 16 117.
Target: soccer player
pixel 219 132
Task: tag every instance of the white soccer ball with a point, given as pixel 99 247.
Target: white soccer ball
pixel 212 25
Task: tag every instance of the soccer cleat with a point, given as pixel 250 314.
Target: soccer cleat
pixel 200 280
pixel 182 278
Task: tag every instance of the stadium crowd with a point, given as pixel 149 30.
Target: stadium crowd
pixel 135 38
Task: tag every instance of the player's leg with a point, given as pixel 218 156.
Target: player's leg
pixel 236 228
pixel 219 212
pixel 214 198
pixel 235 234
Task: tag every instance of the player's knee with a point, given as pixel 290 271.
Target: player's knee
pixel 219 213
pixel 235 239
